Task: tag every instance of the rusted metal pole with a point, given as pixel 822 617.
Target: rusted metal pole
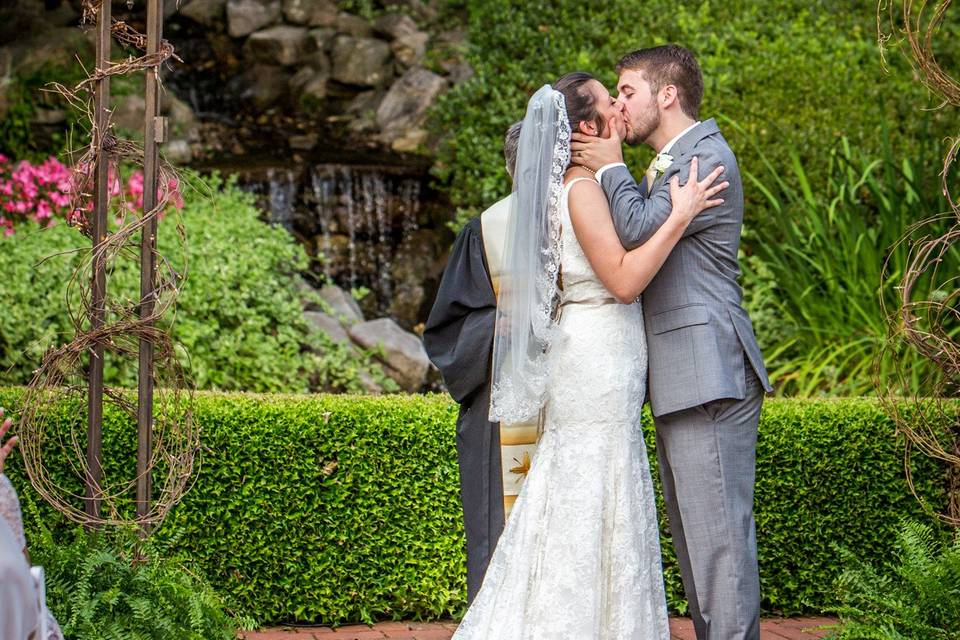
pixel 153 134
pixel 99 277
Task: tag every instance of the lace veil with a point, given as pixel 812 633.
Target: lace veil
pixel 529 285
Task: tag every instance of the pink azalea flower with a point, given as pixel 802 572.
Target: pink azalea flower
pixel 44 211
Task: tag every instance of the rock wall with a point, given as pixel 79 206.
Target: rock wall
pixel 321 111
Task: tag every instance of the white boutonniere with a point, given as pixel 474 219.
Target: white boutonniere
pixel 662 162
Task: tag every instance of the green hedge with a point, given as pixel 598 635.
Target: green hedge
pixel 343 508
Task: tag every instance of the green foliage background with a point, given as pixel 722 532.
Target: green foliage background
pixel 238 318
pixel 797 74
pixel 345 508
pixel 917 597
pixel 117 587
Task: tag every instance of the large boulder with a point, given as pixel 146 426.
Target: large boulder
pixel 283 45
pixel 410 49
pixel 246 16
pixel 405 106
pixel 395 25
pixel 209 13
pixel 266 85
pixel 183 121
pixel 355 26
pixel 54 47
pixel 328 325
pixel 361 61
pixel 402 354
pixel 130 112
pixel 309 87
pixel 313 13
pixel 342 304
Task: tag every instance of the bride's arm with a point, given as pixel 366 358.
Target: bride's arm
pixel 627 273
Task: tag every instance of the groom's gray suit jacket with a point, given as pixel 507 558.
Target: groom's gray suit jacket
pixel 697 329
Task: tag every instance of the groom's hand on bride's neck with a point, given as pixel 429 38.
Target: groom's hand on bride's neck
pixel 594 152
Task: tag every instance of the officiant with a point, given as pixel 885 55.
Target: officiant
pixel 458 338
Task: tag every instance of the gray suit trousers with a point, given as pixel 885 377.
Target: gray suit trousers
pixel 707 460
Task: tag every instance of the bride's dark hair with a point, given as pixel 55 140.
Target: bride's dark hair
pixel 581 104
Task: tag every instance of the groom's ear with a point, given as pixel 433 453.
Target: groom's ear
pixel 668 95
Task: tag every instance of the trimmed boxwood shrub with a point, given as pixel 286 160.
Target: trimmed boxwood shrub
pixel 343 508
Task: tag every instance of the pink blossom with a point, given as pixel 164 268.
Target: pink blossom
pixel 44 212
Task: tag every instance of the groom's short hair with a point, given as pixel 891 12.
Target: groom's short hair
pixel 669 64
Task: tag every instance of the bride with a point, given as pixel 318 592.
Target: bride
pixel 579 558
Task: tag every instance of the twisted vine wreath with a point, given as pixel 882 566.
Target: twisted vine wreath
pixel 929 326
pixel 60 382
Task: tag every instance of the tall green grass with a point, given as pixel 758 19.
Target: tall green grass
pixel 826 265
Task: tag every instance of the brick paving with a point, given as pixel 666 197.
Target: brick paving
pixel 680 629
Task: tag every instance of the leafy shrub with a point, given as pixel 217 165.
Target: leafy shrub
pixel 345 508
pixel 238 316
pixel 824 269
pixel 796 74
pixel 102 586
pixel 918 598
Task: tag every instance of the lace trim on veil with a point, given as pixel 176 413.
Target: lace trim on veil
pixel 518 396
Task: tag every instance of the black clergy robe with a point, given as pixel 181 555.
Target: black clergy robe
pixel 458 338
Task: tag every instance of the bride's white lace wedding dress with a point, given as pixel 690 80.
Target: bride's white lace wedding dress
pixel 579 558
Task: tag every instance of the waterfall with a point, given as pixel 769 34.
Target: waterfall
pixel 282 192
pixel 357 217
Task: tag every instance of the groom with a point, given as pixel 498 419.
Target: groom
pixel 706 374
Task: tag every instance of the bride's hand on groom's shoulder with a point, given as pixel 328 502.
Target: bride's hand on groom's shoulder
pixel 696 195
pixel 594 152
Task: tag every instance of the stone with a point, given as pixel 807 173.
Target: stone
pixel 53 47
pixel 209 13
pixel 353 25
pixel 246 16
pixel 178 151
pixel 361 61
pixel 309 86
pixel 283 45
pixel 369 385
pixel 323 38
pixel 313 13
pixel 303 142
pixel 267 84
pixel 395 25
pixel 319 61
pixel 328 325
pixel 401 353
pixel 412 141
pixel 342 303
pixel 130 113
pixel 183 121
pixel 423 10
pixel 169 8
pixel 49 116
pixel 459 73
pixel 410 49
pixel 407 102
pixel 365 102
